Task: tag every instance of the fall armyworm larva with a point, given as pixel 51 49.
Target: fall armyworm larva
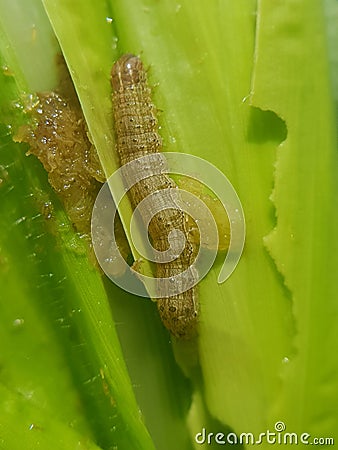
pixel 137 135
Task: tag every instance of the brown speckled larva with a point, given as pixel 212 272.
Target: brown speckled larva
pixel 137 135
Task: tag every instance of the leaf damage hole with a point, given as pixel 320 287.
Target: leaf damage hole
pixel 265 126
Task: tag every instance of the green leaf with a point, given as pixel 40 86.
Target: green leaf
pixel 302 244
pixel 23 421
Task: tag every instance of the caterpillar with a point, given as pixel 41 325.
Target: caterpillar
pixel 136 130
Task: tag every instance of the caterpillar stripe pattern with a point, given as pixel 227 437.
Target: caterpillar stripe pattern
pixel 136 130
